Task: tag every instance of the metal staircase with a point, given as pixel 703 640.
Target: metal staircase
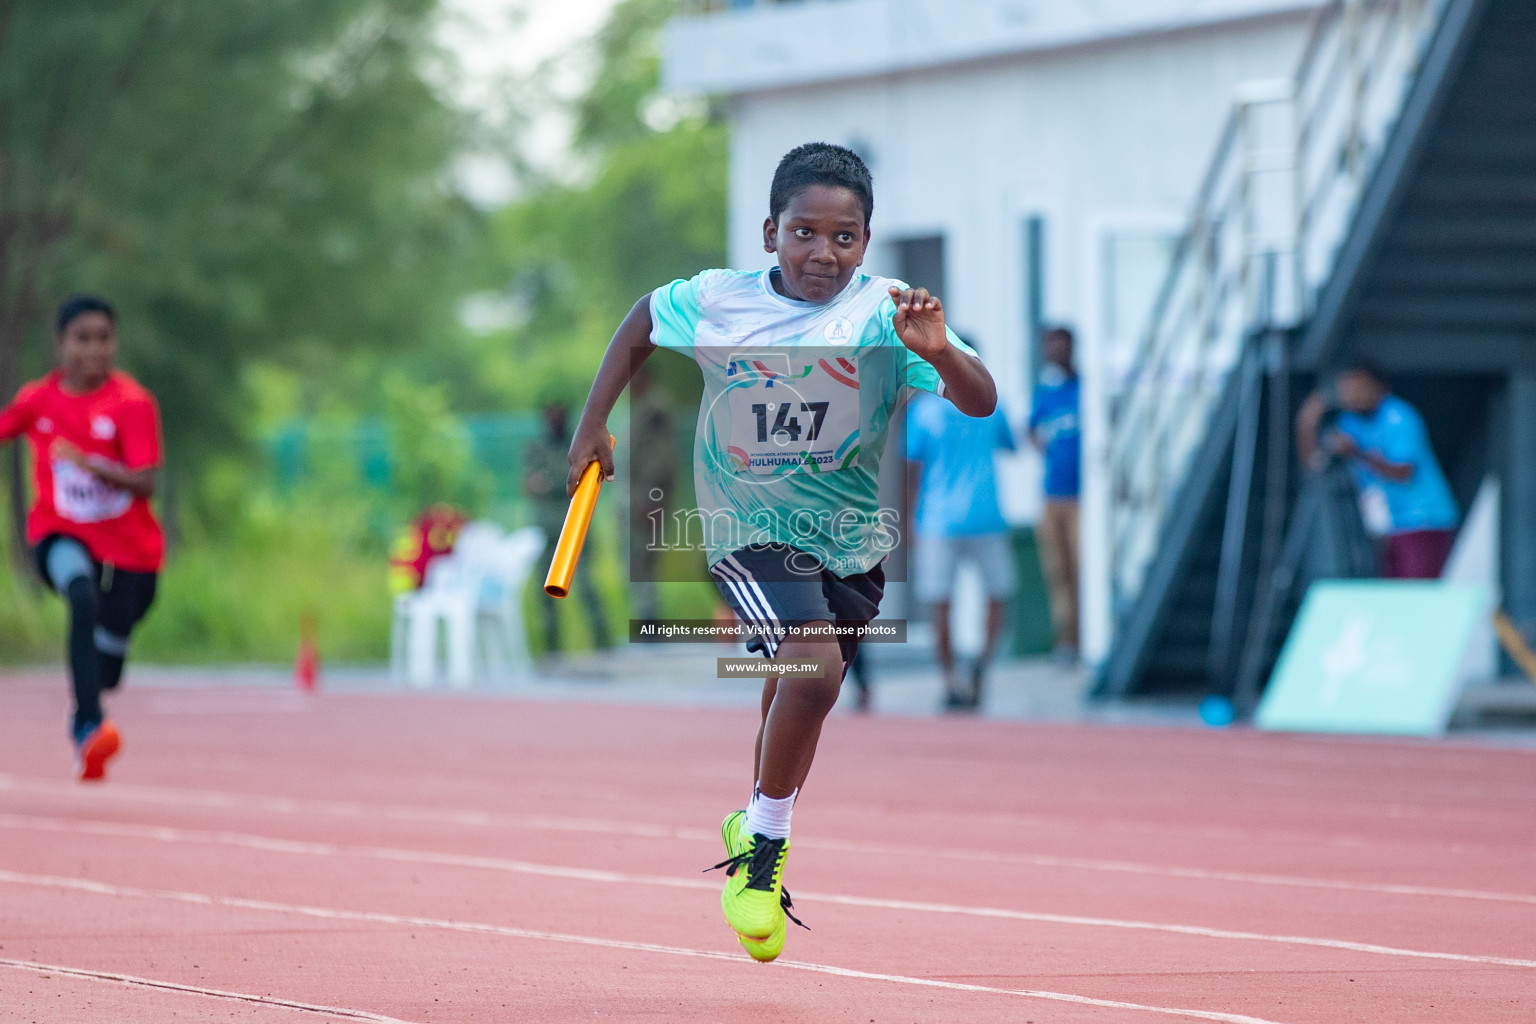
pixel 1380 201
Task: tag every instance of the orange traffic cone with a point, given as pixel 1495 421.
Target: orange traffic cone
pixel 306 667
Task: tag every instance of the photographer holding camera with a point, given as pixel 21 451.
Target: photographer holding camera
pixel 1381 439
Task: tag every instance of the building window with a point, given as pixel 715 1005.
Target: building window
pixel 920 262
pixel 1132 266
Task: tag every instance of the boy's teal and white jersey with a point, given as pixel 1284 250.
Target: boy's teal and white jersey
pixel 797 408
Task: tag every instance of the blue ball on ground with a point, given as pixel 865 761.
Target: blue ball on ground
pixel 1216 712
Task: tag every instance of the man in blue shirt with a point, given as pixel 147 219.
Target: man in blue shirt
pixel 1403 493
pixel 957 520
pixel 1054 428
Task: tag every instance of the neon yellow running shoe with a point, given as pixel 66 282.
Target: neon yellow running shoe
pixel 753 899
pixel 764 950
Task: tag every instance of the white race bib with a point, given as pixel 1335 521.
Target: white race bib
pixel 82 497
pixel 793 414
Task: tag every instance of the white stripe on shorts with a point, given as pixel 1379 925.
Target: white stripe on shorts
pixel 731 576
pixel 751 582
pixel 759 624
pixel 752 611
pixel 744 605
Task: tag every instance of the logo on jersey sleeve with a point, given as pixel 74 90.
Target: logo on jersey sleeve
pixel 102 428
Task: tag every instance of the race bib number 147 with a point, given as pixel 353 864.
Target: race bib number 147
pixel 792 415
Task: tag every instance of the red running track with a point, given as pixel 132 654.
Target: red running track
pixel 262 856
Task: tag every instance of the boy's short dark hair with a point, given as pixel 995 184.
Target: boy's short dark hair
pixel 79 304
pixel 1370 367
pixel 820 163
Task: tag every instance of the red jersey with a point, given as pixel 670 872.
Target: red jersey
pixel 432 535
pixel 118 422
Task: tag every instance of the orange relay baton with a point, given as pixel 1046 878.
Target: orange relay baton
pixel 574 533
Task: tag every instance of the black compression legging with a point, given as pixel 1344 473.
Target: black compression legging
pixel 105 604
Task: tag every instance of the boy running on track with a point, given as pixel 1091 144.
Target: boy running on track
pixel 95 436
pixel 803 366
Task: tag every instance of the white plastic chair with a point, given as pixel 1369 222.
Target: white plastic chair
pixel 505 568
pixel 473 597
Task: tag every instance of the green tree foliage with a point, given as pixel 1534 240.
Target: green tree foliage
pixel 432 452
pixel 653 208
pixel 611 111
pixel 247 179
pixel 575 256
pixel 260 186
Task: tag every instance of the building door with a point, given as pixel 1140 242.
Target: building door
pixel 920 262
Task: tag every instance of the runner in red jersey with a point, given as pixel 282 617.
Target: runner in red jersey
pixel 94 434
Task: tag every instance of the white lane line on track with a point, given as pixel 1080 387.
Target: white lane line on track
pixel 1165 871
pixel 521 867
pixel 213 799
pixel 132 981
pixel 475 927
pixel 239 702
pixel 482 819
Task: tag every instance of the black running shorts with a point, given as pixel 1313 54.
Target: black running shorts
pixel 125 595
pixel 771 586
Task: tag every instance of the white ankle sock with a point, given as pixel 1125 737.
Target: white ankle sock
pixel 769 816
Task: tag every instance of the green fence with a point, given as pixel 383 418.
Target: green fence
pixel 1031 612
pixel 496 442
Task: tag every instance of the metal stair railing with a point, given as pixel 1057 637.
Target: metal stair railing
pixel 1281 190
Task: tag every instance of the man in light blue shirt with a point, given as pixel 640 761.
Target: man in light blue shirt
pixel 957 520
pixel 1403 494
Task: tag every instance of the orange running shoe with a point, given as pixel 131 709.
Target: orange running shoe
pixel 98 747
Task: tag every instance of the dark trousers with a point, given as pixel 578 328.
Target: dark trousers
pixel 1416 554
pixel 105 604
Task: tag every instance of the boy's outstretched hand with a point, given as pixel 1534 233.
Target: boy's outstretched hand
pixel 919 321
pixel 588 445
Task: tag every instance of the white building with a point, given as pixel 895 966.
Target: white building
pixel 995 129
